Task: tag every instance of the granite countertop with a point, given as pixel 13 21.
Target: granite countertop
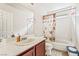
pixel 11 49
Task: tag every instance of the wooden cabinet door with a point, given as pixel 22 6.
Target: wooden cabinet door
pixel 40 49
pixel 30 53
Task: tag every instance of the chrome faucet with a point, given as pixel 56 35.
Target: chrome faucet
pixel 24 38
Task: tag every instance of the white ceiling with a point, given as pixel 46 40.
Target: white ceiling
pixel 42 8
pixel 45 7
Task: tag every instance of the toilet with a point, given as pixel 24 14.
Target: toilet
pixel 72 51
pixel 49 48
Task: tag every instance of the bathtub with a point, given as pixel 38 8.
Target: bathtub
pixel 61 46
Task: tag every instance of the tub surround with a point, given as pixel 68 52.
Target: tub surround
pixel 11 49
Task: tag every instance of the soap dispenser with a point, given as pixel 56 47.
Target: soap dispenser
pixel 18 38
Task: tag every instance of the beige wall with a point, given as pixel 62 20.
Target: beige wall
pixel 38 24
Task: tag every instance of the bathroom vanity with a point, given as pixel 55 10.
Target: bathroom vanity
pixel 35 46
pixel 36 50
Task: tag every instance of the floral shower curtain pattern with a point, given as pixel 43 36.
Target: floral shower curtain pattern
pixel 49 26
pixel 51 19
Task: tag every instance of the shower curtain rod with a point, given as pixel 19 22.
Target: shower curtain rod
pixel 60 10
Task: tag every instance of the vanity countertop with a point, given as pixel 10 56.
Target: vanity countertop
pixel 11 49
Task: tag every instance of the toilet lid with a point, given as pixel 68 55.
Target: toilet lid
pixel 72 49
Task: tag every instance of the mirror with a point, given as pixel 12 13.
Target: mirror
pixel 16 20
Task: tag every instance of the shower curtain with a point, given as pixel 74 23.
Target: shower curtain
pixel 63 25
pixel 63 29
